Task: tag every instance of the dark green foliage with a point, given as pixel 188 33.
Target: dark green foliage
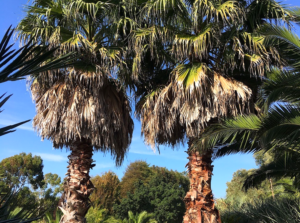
pixel 20 169
pixel 255 203
pixel 236 196
pixel 53 183
pixel 11 211
pixel 265 211
pixel 162 195
pixel 284 165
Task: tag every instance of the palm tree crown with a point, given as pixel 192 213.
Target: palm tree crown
pixel 86 101
pixel 205 63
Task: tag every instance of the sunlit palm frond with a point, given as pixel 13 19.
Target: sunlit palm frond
pixel 148 40
pixel 295 11
pixel 278 129
pixel 233 135
pixel 186 46
pixel 254 55
pixel 217 10
pixel 91 8
pixel 281 128
pixel 257 65
pixel 281 86
pixel 289 43
pixel 124 22
pixel 188 103
pixel 168 11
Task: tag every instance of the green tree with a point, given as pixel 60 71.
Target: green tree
pixel 47 196
pixel 162 195
pixel 107 191
pixel 87 105
pixel 21 169
pixel 135 171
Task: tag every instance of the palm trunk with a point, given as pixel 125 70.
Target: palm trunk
pixel 77 187
pixel 200 206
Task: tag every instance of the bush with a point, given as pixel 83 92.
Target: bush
pixel 285 210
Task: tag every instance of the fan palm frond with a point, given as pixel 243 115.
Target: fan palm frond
pixel 217 10
pixel 289 43
pixel 68 110
pixel 187 104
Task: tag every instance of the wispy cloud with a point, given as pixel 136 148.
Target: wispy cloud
pixel 104 165
pixel 51 157
pixel 25 126
pixel 156 153
pixel 143 152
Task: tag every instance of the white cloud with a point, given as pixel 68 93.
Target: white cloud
pixel 143 152
pixel 155 153
pixel 25 126
pixel 104 165
pixel 51 157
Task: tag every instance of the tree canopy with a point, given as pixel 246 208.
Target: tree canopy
pixel 107 191
pixel 160 193
pixel 21 169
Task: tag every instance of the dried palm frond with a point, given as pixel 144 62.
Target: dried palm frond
pixel 194 96
pixel 83 105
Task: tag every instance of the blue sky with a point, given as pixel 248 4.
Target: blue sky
pixel 21 107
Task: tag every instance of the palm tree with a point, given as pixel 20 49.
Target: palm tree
pixel 142 217
pixel 19 63
pixel 276 127
pixel 84 107
pixel 200 62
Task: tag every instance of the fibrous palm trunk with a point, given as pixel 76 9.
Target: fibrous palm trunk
pixel 77 187
pixel 200 206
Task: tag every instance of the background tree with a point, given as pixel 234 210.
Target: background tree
pixel 107 191
pixel 161 194
pixel 48 195
pixel 22 169
pixel 135 171
pixel 237 197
